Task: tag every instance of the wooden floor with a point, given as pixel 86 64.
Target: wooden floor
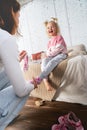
pixel 43 117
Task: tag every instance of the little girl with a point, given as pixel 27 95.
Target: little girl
pixel 56 52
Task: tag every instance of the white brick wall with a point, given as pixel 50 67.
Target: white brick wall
pixel 72 18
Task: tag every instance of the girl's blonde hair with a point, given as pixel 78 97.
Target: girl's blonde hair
pixel 53 20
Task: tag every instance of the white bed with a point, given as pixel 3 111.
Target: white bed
pixel 69 79
pixel 73 86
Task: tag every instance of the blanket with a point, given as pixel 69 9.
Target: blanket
pixel 73 86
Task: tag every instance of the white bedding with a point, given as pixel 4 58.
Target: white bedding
pixel 73 86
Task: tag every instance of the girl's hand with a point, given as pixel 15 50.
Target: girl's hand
pixel 43 55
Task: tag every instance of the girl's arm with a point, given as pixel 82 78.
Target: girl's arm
pixel 55 50
pixel 58 47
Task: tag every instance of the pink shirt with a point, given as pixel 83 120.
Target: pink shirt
pixel 56 46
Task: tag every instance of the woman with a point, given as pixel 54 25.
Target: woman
pixel 14 90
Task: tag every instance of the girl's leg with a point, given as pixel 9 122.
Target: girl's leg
pixel 43 65
pixel 48 66
pixel 47 85
pixel 45 80
pixel 51 65
pixel 10 106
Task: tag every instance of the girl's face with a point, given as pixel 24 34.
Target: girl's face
pixel 51 29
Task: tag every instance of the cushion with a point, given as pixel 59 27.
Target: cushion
pixel 76 50
pixel 36 56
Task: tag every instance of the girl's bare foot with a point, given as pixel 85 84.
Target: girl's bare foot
pixel 48 85
pixel 34 82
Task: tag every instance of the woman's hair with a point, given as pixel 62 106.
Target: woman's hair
pixel 6 19
pixel 54 21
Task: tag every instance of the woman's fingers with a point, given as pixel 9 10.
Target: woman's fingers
pixel 22 54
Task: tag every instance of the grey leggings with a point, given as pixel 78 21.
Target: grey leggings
pixel 49 63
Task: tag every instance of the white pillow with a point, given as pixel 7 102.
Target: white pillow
pixel 78 49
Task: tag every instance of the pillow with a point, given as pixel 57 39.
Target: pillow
pixel 37 56
pixel 77 50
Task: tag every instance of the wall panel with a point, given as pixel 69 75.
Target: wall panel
pixel 77 14
pixel 72 19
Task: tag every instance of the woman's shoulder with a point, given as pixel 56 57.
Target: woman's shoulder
pixel 4 35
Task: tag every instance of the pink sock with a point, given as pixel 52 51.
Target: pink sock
pixel 37 79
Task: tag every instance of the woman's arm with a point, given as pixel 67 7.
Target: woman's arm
pixel 9 54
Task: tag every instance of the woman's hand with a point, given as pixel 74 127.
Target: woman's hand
pixel 22 55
